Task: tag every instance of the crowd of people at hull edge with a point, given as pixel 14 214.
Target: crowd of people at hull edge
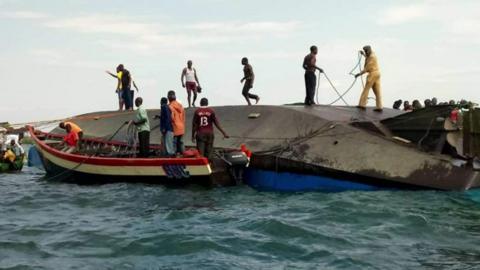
pixel 416 104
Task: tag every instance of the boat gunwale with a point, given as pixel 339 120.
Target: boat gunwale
pixel 111 161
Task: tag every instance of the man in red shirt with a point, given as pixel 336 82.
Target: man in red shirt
pixel 202 128
pixel 70 140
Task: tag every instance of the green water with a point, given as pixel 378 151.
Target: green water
pixel 47 225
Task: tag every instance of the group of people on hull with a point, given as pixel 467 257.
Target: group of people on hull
pixel 370 67
pixel 172 114
pixel 172 128
pixel 189 81
pixel 416 105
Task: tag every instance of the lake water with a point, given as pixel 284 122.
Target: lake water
pixel 50 225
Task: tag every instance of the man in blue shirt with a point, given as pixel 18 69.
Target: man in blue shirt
pixel 166 128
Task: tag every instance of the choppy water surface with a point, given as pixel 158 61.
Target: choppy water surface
pixel 45 225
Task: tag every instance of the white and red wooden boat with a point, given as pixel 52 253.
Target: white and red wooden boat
pixel 103 161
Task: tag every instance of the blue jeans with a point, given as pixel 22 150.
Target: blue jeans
pixel 167 142
pixel 178 144
pixel 127 98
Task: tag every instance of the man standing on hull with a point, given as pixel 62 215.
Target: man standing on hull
pixel 373 79
pixel 191 82
pixel 248 78
pixel 127 93
pixel 310 66
pixel 119 92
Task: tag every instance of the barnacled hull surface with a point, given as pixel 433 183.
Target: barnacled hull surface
pixel 341 143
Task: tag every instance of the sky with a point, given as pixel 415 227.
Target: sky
pixel 53 54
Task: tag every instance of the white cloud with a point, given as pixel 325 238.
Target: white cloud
pixel 65 59
pixel 105 24
pixel 246 28
pixel 24 15
pixel 155 37
pixel 465 26
pixel 403 14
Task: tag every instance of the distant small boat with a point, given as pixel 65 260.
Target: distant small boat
pixel 8 167
pixel 103 161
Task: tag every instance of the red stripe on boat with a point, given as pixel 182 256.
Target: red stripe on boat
pixel 107 161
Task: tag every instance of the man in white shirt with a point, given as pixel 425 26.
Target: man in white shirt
pixel 191 82
pixel 16 148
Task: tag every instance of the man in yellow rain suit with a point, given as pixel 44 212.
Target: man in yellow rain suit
pixel 373 79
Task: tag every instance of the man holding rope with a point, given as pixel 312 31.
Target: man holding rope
pixel 310 66
pixel 373 79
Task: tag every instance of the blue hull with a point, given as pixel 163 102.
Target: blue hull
pixel 293 182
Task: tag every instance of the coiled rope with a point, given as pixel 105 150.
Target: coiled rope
pixel 350 87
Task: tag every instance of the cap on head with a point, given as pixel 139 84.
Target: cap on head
pixel 204 102
pixel 367 49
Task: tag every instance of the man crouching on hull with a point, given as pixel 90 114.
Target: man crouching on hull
pixel 373 79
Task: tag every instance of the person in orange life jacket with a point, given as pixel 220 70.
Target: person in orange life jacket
pixel 178 122
pixel 70 140
pixel 191 82
pixel 75 128
pixel 202 128
pixel 248 77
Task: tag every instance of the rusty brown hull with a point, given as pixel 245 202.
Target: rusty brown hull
pixel 341 142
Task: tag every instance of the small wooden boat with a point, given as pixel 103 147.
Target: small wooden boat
pixel 101 161
pixel 8 167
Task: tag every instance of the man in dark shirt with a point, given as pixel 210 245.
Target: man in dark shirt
pixel 310 66
pixel 166 128
pixel 126 81
pixel 202 128
pixel 248 77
